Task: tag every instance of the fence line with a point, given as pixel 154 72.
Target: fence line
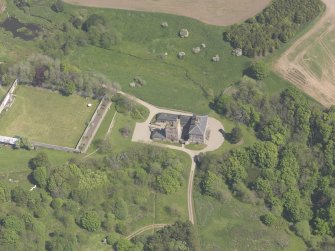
pixel 55 147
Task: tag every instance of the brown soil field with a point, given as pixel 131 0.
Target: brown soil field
pixel 216 12
pixel 310 62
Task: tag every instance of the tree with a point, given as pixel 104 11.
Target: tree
pixel 41 159
pixel 58 6
pixel 4 193
pixel 57 203
pixel 123 245
pixel 169 181
pixel 90 221
pixel 258 70
pixel 264 154
pixel 19 195
pixel 40 176
pixel 93 20
pixel 268 219
pixel 14 223
pixel 69 89
pixel 120 209
pixel 236 135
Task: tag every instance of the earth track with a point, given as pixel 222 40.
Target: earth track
pixel 298 72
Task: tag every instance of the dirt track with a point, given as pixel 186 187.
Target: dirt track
pixel 217 12
pixel 293 66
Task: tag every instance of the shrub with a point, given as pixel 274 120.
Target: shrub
pixel 14 223
pixel 125 131
pixel 121 228
pixel 40 176
pixel 90 221
pixel 57 203
pixel 235 136
pixel 268 219
pixel 112 239
pixel 58 6
pixel 41 159
pixel 120 209
pixel 258 70
pixel 93 20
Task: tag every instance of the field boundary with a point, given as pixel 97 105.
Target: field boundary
pixel 9 97
pixel 93 126
pixel 55 147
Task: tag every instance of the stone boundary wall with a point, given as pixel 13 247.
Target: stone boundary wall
pixel 55 147
pixel 9 96
pixel 93 126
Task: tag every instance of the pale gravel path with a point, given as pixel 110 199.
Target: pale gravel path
pixel 142 134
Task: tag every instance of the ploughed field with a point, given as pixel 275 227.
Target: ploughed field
pixel 217 12
pixel 310 62
pixel 48 117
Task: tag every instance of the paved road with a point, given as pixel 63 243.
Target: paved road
pixel 142 134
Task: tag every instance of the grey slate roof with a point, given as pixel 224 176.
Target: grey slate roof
pixel 166 117
pixel 158 134
pixel 198 125
pixel 184 119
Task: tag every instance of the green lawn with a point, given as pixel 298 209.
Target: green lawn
pixel 47 117
pixel 119 142
pixel 248 134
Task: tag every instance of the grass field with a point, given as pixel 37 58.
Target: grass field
pixel 47 117
pixel 223 12
pixel 233 225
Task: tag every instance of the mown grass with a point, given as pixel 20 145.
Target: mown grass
pixel 47 117
pixel 196 147
pixel 248 135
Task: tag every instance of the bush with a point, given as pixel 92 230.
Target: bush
pixel 235 136
pixel 41 159
pixel 90 221
pixel 58 6
pixel 40 176
pixel 57 203
pixel 125 131
pixel 121 228
pixel 40 212
pixel 14 223
pixel 268 219
pixel 93 20
pixel 112 239
pixel 120 209
pixel 258 70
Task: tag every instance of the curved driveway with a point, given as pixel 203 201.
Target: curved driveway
pixel 142 134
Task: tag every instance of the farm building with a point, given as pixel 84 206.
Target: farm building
pixel 8 140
